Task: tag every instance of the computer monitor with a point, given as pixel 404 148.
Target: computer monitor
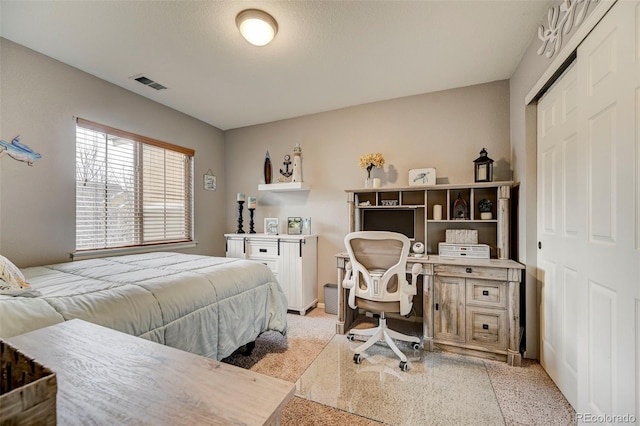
pixel 402 221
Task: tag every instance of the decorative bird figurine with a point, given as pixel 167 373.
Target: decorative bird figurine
pixel 18 151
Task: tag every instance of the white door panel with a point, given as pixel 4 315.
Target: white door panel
pixel 561 222
pixel 608 83
pixel 589 220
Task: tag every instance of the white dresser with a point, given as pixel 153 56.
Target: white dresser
pixel 293 259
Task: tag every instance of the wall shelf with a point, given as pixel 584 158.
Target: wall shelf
pixel 285 187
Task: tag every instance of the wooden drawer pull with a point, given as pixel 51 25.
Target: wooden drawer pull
pixel 469 270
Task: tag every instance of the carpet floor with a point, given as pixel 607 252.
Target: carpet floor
pixel 524 395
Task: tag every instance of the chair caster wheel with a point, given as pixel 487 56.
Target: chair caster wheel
pixel 404 366
pixel 357 358
pixel 350 337
pixel 416 346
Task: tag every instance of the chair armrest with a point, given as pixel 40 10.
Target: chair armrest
pixel 412 289
pixel 416 269
pixel 348 282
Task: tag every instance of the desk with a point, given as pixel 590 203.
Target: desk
pixel 108 377
pixel 470 306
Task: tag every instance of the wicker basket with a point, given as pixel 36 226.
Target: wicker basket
pixel 27 389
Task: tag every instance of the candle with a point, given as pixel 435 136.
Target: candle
pixel 240 196
pixel 252 202
pixel 437 212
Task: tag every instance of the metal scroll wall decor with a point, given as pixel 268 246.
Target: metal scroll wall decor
pixel 561 19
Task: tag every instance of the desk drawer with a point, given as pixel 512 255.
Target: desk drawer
pixel 485 272
pixel 487 327
pixel 262 250
pixel 491 294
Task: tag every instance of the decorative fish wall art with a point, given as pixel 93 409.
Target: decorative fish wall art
pixel 18 151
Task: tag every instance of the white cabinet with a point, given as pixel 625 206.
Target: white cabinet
pixel 293 259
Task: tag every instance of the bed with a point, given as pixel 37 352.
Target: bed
pixel 205 305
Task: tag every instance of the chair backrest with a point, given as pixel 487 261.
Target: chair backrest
pixel 378 267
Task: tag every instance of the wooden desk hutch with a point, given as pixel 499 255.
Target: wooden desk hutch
pixel 469 306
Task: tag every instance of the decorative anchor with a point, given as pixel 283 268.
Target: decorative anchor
pixel 287 162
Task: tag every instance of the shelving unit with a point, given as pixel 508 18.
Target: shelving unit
pixel 493 232
pixel 284 187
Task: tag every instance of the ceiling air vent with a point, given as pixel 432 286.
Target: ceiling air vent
pixel 148 82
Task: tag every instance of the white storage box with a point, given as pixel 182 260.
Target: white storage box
pixel 461 236
pixel 473 251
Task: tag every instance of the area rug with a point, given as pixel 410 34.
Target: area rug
pixel 439 388
pixel 526 395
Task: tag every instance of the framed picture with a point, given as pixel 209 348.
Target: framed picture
pixel 210 181
pixel 294 225
pixel 422 177
pixel 271 225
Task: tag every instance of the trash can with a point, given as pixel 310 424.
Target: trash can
pixel 331 298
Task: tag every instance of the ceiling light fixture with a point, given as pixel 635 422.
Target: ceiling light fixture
pixel 256 26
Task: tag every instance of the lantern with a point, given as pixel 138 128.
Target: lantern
pixel 484 167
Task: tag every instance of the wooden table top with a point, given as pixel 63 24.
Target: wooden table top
pixel 108 377
pixel 460 261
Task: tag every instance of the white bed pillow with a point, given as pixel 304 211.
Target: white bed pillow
pixel 12 282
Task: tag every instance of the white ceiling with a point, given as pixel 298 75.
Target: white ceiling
pixel 326 55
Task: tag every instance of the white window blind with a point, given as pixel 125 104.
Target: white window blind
pixel 130 190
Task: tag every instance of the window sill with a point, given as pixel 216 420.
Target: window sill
pixel 90 254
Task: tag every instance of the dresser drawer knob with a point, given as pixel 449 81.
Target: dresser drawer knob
pixel 263 250
pixel 485 326
pixel 469 270
pixel 485 292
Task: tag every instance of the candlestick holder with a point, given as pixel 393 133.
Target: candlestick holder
pixel 240 230
pixel 251 230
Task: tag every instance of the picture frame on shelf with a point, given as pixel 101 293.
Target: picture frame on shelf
pixel 422 177
pixel 294 225
pixel 271 225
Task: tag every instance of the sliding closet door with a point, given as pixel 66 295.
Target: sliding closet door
pixel 589 220
pixel 608 127
pixel 561 231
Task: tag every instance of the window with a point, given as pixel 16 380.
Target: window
pixel 130 190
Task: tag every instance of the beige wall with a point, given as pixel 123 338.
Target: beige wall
pixel 39 98
pixel 445 130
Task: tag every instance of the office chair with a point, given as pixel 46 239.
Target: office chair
pixel 377 282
